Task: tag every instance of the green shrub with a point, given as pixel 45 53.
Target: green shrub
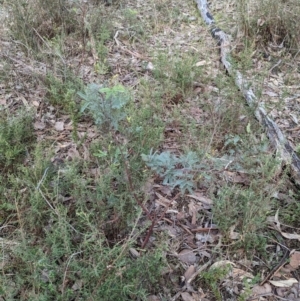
pixel 92 271
pixel 175 171
pixel 212 279
pixel 106 105
pixel 16 135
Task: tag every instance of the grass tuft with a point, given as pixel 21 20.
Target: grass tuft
pixel 16 134
pixel 277 26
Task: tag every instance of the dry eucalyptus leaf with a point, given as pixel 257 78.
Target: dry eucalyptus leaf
pixel 294 117
pixel 73 153
pixel 234 235
pixel 221 263
pixel 187 296
pixel 153 298
pixel 59 126
pixel 134 253
pixel 262 289
pixel 201 198
pixel 202 63
pixel 189 272
pixel 2 101
pixel 38 125
pixel 270 93
pixel 276 224
pixel 290 235
pixel 239 274
pixel 284 283
pixel 295 260
pixel 187 256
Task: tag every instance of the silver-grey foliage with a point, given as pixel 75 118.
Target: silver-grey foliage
pixel 106 105
pixel 175 171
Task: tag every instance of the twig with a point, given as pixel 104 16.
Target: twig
pixel 276 65
pixel 268 294
pixel 136 198
pixel 155 220
pixel 48 203
pixel 66 270
pixel 43 196
pixel 146 211
pixel 256 297
pixel 43 178
pixel 48 46
pixel 282 262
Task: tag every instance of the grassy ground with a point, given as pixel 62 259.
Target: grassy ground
pixel 130 160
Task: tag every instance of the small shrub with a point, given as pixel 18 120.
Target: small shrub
pixel 101 273
pixel 16 134
pixel 289 215
pixel 178 71
pixel 106 105
pixel 212 279
pixel 245 210
pixel 175 171
pixel 62 92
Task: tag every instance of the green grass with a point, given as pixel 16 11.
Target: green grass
pixel 16 136
pixel 68 248
pixel 213 278
pixel 178 76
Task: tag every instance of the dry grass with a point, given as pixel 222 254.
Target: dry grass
pixel 271 22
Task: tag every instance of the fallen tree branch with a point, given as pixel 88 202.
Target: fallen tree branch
pixel 283 148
